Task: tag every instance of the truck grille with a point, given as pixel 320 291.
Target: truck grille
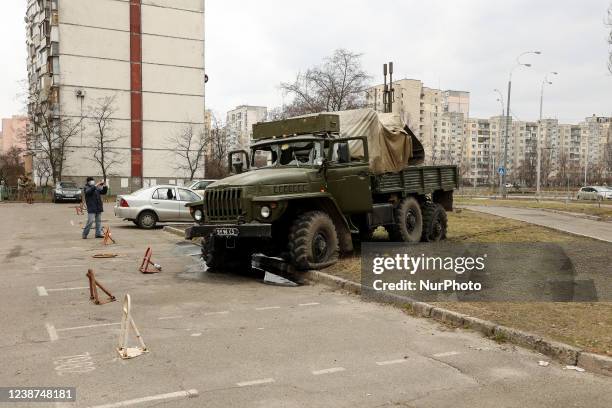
pixel 223 204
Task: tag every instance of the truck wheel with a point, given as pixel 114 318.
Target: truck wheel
pixel 408 225
pixel 435 222
pixel 313 241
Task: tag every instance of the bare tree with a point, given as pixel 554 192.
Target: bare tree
pixel 105 153
pixel 216 150
pixel 11 166
pixel 42 169
pixel 337 84
pixel 49 134
pixel 190 147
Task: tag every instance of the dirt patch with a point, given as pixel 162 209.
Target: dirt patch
pixel 584 325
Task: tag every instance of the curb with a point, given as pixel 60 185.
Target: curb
pixel 575 214
pixel 563 353
pixel 175 231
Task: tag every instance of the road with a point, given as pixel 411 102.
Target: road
pixel 563 222
pixel 236 341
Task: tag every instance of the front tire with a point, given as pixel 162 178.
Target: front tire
pixel 211 254
pixel 147 220
pixel 435 222
pixel 313 241
pixel 408 225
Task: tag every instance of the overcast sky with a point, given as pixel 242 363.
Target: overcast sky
pixel 469 45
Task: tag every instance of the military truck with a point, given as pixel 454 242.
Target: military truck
pixel 311 185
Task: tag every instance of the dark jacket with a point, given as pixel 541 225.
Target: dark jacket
pixel 93 199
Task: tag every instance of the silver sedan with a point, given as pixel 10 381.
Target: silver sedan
pixel 148 206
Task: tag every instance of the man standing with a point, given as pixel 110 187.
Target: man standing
pixel 95 208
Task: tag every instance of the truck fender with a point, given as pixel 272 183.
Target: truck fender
pixel 324 202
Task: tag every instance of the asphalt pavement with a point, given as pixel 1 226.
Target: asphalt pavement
pixel 600 230
pixel 228 340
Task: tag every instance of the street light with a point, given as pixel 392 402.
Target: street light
pixel 545 81
pixel 502 181
pixel 501 129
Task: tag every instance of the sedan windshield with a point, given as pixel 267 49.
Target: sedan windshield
pixel 67 185
pixel 299 153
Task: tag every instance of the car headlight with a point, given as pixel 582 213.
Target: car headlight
pixel 198 215
pixel 265 211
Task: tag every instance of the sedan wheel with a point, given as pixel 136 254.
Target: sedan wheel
pixel 147 220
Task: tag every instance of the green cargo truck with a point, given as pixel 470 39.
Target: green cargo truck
pixel 309 186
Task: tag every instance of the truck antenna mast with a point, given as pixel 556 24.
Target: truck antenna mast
pixel 388 91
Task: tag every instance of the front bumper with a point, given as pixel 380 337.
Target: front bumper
pixel 254 230
pixel 66 196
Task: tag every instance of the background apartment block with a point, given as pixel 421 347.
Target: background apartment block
pixel 13 133
pixel 239 125
pixel 146 54
pixel 422 109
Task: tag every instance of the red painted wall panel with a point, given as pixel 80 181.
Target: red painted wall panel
pixel 136 87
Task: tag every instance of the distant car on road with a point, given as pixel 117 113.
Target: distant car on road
pixel 200 185
pixel 66 190
pixel 163 203
pixel 594 193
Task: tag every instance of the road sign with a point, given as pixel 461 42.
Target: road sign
pixel 501 171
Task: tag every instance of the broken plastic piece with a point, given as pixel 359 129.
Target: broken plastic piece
pixel 575 368
pixel 273 279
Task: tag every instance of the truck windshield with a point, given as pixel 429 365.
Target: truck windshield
pixel 299 153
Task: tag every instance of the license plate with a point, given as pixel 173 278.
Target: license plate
pixel 226 232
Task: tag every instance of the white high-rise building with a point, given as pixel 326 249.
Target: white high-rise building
pixel 147 56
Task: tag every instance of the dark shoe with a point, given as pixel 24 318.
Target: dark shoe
pixel 99 236
pixel 84 237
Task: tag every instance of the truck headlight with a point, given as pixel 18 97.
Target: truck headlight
pixel 265 211
pixel 198 215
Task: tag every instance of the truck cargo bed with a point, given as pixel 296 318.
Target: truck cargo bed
pixel 417 180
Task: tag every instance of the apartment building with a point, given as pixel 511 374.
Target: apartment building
pixel 422 109
pixel 144 56
pixel 13 133
pixel 239 125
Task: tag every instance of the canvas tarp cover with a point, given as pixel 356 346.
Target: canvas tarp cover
pixel 389 145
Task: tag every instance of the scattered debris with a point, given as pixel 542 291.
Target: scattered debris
pixel 543 363
pixel 108 237
pixel 575 368
pixel 272 279
pixel 93 289
pixel 104 255
pixel 146 262
pixel 277 271
pixel 127 321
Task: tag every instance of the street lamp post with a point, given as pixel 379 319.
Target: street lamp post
pixel 502 181
pixel 545 81
pixel 501 128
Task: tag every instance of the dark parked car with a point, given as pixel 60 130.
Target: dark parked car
pixel 66 190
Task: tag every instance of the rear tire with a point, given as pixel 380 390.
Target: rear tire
pixel 313 241
pixel 435 222
pixel 408 225
pixel 147 220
